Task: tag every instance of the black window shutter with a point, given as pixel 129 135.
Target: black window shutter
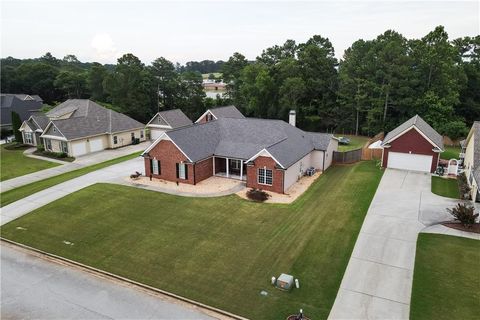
pixel 186 172
pixel 159 167
pixel 151 166
pixel 177 171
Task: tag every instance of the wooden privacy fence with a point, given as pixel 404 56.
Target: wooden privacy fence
pixel 347 156
pixel 371 154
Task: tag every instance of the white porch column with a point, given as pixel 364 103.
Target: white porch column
pixel 241 170
pixel 213 165
pixel 228 170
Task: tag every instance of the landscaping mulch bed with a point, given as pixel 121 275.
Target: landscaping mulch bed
pixel 475 228
pixel 53 156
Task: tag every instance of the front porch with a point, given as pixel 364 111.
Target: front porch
pixel 230 168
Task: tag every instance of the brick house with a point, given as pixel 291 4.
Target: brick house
pixel 414 145
pixel 267 154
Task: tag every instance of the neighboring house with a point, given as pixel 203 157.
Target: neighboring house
pixel 414 145
pixel 220 112
pixel 22 104
pixel 167 120
pixel 269 154
pixel 33 128
pixel 81 126
pixel 471 161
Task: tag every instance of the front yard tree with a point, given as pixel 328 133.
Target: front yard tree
pixel 16 123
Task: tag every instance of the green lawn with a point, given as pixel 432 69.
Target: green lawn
pixel 451 152
pixel 13 195
pixel 220 251
pixel 446 280
pixel 356 142
pixel 14 163
pixel 445 187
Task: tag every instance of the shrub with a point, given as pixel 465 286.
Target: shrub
pixel 40 148
pixel 463 187
pixel 464 213
pixel 15 146
pixel 257 195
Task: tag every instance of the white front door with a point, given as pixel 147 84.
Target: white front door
pixel 79 148
pixel 409 161
pixel 96 144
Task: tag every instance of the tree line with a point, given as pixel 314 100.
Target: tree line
pixel 376 85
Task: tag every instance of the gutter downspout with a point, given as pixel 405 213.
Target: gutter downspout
pixel 323 163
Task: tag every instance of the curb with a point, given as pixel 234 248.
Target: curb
pixel 126 280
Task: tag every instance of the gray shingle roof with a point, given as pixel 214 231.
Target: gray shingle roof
pixel 40 119
pixel 421 125
pixel 174 118
pixel 476 146
pixel 227 112
pixel 244 138
pixel 16 102
pixel 90 118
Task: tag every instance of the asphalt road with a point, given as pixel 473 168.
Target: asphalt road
pixel 37 288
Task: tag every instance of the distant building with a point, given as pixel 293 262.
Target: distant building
pixel 23 104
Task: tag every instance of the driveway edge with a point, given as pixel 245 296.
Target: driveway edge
pixel 113 276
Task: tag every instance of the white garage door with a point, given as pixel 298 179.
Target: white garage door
pixel 79 148
pixel 155 133
pixel 96 144
pixel 408 161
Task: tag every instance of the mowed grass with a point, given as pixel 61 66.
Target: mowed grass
pixel 451 152
pixel 13 195
pixel 14 163
pixel 219 251
pixel 356 142
pixel 445 187
pixel 446 281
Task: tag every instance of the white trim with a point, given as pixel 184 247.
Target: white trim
pixel 48 126
pixel 22 127
pixel 413 126
pixel 165 136
pixel 204 114
pixel 53 137
pixel 158 114
pixel 158 126
pixel 269 154
pixel 265 176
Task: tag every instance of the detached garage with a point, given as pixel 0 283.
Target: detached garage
pixel 414 145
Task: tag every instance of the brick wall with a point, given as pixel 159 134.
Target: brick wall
pixel 414 142
pixel 269 163
pixel 169 156
pixel 203 170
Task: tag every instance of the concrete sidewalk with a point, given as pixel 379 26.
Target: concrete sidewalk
pixel 441 229
pixel 378 280
pixel 38 288
pixel 80 162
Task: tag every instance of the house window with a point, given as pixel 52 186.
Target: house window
pixel 182 171
pixel 54 129
pixel 235 164
pixel 155 165
pixel 28 137
pixel 64 146
pixel 115 140
pixel 265 176
pixel 48 144
pixel 141 134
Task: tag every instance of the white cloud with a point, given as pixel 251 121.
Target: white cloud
pixel 104 46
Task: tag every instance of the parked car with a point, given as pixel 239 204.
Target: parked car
pixel 343 140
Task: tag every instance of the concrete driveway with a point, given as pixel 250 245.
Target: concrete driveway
pixel 377 283
pixel 36 288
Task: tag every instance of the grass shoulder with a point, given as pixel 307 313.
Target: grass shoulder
pixel 220 251
pixel 356 142
pixel 15 164
pixel 446 284
pixel 13 195
pixel 445 187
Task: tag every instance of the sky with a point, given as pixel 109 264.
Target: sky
pixel 183 31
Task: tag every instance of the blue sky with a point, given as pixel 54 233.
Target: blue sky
pixel 197 30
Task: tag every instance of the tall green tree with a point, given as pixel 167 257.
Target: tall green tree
pixel 96 78
pixel 167 82
pixel 16 124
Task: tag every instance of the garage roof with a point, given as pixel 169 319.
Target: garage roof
pixel 435 138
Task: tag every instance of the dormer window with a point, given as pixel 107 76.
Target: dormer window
pixel 54 129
